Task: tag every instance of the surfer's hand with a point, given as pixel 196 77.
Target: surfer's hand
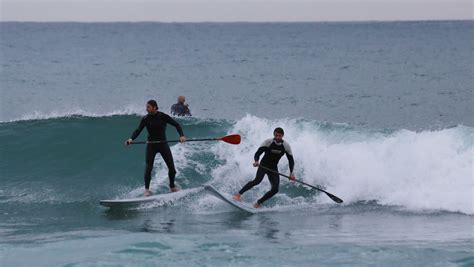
pixel 128 142
pixel 255 164
pixel 292 177
pixel 182 139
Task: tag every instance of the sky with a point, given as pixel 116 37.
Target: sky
pixel 233 10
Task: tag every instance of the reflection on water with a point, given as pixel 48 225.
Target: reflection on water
pixel 169 221
pixel 335 222
pixel 122 214
pixel 268 228
pixel 150 226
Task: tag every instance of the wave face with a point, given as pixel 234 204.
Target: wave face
pixel 81 159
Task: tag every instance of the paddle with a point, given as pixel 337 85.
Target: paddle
pixel 331 196
pixel 231 139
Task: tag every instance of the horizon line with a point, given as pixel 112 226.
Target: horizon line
pixel 241 21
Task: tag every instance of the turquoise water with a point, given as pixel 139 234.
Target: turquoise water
pixel 380 114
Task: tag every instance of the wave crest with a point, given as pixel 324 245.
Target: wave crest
pixel 429 170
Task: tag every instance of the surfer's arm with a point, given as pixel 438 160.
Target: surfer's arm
pixel 289 155
pixel 259 152
pixel 174 110
pixel 291 162
pixel 263 147
pixel 187 111
pixel 171 121
pixel 137 131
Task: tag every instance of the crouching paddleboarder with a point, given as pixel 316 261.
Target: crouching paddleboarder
pixel 155 123
pixel 274 148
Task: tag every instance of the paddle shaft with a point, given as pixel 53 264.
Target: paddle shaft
pixel 296 180
pixel 331 196
pixel 174 141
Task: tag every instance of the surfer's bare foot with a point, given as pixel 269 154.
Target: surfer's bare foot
pixel 257 205
pixel 148 192
pixel 236 197
pixel 174 189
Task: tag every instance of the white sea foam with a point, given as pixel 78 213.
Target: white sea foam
pixel 127 110
pixel 420 171
pixel 38 115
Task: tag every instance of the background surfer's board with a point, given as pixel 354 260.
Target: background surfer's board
pixel 133 202
pixel 228 199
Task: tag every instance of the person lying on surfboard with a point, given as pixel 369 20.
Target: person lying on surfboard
pixel 274 148
pixel 155 123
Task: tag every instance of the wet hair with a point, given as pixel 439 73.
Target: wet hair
pixel 279 130
pixel 152 103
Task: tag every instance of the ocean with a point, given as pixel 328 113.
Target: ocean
pixel 378 113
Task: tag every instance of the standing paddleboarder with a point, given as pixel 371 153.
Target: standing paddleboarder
pixel 274 148
pixel 155 123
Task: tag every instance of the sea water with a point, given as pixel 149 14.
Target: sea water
pixel 379 114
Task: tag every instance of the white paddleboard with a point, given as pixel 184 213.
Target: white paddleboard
pixel 228 199
pixel 133 202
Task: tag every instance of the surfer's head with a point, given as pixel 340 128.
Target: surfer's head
pixel 151 106
pixel 181 99
pixel 278 134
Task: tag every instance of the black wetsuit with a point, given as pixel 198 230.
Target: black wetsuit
pixel 156 127
pixel 180 109
pixel 273 153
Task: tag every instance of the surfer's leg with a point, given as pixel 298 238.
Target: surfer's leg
pixel 165 152
pixel 258 179
pixel 150 158
pixel 275 182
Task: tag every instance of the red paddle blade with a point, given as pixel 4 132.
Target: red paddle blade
pixel 231 139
